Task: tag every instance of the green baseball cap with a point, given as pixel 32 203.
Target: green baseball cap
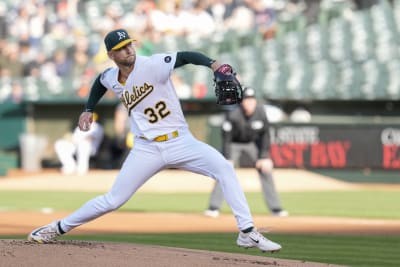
pixel 117 39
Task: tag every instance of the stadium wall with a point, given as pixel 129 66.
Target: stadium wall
pixel 344 142
pixel 330 146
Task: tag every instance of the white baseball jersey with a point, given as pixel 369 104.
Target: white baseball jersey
pixel 149 95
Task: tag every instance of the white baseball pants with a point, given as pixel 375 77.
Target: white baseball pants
pixel 147 158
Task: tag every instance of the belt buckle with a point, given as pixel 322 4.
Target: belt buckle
pixel 166 137
pixel 174 134
pixel 161 138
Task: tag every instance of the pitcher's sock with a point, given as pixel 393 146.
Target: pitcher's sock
pixel 248 230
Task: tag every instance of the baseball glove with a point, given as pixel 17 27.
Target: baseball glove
pixel 228 89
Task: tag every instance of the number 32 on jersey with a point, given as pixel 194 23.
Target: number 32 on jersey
pixel 158 112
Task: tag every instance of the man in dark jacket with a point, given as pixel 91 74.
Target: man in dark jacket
pixel 246 135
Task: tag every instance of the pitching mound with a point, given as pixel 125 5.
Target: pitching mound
pixel 80 253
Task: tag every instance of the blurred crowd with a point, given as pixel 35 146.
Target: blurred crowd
pixel 52 41
pixel 49 42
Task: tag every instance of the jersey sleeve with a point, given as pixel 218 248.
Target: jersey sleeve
pixel 96 93
pixel 163 65
pixel 192 57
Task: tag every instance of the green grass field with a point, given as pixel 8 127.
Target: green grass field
pixel 362 175
pixel 351 250
pixel 354 204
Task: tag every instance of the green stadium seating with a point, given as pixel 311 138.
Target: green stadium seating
pixel 322 86
pixel 271 52
pixel 339 40
pixel 274 81
pixel 250 66
pixel 317 43
pixel 363 37
pixel 346 55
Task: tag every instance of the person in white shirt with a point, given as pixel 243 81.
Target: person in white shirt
pixel 74 150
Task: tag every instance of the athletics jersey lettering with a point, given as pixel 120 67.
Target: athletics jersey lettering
pixel 130 100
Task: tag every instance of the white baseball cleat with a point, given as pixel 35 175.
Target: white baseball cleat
pixel 211 213
pixel 280 213
pixel 255 239
pixel 45 234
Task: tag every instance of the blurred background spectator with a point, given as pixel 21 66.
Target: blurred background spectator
pixel 75 148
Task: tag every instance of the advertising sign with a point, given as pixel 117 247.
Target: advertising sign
pixel 330 146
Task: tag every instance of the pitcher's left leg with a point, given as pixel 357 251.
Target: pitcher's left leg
pixel 198 157
pixel 190 154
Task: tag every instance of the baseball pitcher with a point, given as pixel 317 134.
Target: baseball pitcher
pixel 162 136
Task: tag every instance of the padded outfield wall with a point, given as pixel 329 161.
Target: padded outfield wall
pixel 336 144
pixel 330 145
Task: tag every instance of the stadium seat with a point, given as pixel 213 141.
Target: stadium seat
pixel 297 81
pixel 363 37
pixel 316 43
pixel 295 47
pixel 372 82
pixel 396 14
pixel 384 27
pixel 271 51
pixel 274 81
pixel 323 83
pixel 250 67
pixel 339 40
pixel 348 82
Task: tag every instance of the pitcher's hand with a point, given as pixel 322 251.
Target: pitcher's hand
pixel 85 120
pixel 265 165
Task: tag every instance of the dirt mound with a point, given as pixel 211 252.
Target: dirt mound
pixel 104 254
